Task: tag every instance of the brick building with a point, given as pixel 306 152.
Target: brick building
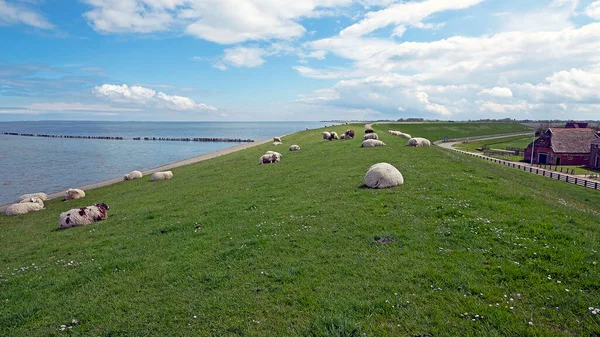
pixel 595 154
pixel 558 146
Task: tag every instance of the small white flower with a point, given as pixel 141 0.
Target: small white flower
pixel 530 323
pixel 567 290
pixel 511 308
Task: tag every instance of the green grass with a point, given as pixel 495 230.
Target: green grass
pixel 437 131
pixel 232 248
pixel 520 142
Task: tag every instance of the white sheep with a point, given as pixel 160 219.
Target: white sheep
pixel 405 135
pixel 133 175
pixel 269 158
pixel 26 197
pixel 383 175
pixel 83 216
pixel 343 136
pixel 419 142
pixel 294 148
pixel 275 153
pixel 164 175
pixel 370 136
pixel 372 143
pixel 74 193
pixel 394 133
pixel 25 206
pixel 334 135
pixel 276 139
pixel 326 135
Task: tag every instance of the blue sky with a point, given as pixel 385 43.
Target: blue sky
pixel 299 59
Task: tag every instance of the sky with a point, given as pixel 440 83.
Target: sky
pixel 299 60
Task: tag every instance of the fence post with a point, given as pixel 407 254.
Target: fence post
pixel 584 183
pixel 596 187
pixel 575 180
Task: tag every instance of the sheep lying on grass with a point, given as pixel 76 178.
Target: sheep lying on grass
pixel 269 158
pixel 370 136
pixel 74 193
pixel 276 139
pixel 372 143
pixel 83 216
pixel 164 175
pixel 400 134
pixel 334 136
pixel 26 197
pixel 369 131
pixel 294 148
pixel 419 142
pixel 275 153
pixel 32 205
pixel 349 134
pixel 326 135
pixel 133 175
pixel 383 175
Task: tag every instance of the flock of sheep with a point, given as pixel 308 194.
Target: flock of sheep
pixel 381 175
pixel 76 216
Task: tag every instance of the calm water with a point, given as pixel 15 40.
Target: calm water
pixel 33 164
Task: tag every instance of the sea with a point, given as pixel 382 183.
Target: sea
pixel 37 164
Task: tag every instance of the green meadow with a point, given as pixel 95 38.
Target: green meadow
pixel 228 247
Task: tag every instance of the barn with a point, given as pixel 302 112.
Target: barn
pixel 595 154
pixel 562 146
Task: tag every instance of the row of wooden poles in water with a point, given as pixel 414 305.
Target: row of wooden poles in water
pixel 186 139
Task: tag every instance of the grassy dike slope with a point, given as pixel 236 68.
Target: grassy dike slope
pixel 290 249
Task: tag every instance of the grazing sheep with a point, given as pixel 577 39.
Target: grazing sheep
pixel 405 135
pixel 26 197
pixel 326 135
pixel 133 175
pixel 276 139
pixel 383 175
pixel 419 142
pixel 269 158
pixel 372 143
pixel 74 193
pixel 275 153
pixel 83 216
pixel 164 175
pixel 369 131
pixel 370 136
pixel 31 205
pixel 349 134
pixel 294 148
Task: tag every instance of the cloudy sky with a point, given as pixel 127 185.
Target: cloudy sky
pixel 299 59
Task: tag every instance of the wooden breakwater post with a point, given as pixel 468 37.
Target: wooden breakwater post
pixel 184 139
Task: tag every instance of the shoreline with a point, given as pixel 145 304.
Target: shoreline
pixel 189 161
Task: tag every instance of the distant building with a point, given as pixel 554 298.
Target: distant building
pixel 595 154
pixel 576 125
pixel 558 146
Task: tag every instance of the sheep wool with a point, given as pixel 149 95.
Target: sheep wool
pixel 343 136
pixel 133 175
pixel 276 139
pixel 164 175
pixel 269 158
pixel 419 142
pixel 275 153
pixel 26 197
pixel 372 143
pixel 349 134
pixel 326 135
pixel 294 148
pixel 370 136
pixel 74 193
pixel 334 135
pixel 32 205
pixel 83 216
pixel 405 135
pixel 383 175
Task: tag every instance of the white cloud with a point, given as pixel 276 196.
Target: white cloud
pixel 404 13
pixel 593 10
pixel 138 95
pixel 11 14
pixel 246 57
pixel 497 92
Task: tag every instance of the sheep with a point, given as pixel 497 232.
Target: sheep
pixel 372 143
pixel 74 193
pixel 326 135
pixel 294 148
pixel 276 140
pixel 369 131
pixel 405 135
pixel 164 175
pixel 83 216
pixel 343 136
pixel 370 136
pixel 269 158
pixel 275 153
pixel 333 135
pixel 31 205
pixel 419 142
pixel 349 134
pixel 383 175
pixel 133 175
pixel 276 143
pixel 26 197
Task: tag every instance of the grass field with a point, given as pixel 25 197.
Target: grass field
pixel 498 143
pixel 300 248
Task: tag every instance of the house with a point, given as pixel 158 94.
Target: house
pixel 558 146
pixel 576 125
pixel 595 154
